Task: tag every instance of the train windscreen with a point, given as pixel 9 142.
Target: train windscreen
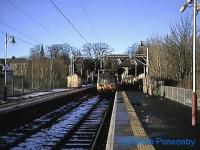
pixel 107 80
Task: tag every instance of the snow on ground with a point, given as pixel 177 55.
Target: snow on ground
pixel 25 96
pixel 34 94
pixel 87 85
pixel 59 90
pixel 38 94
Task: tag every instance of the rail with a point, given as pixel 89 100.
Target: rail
pixel 74 125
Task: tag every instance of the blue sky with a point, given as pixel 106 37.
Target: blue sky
pixel 119 23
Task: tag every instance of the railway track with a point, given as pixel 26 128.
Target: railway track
pixel 75 125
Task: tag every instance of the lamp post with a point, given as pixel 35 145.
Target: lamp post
pixel 51 68
pixel 5 66
pixel 73 59
pixel 32 67
pixel 146 43
pixel 194 95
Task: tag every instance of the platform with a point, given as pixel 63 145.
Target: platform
pixel 16 103
pixel 126 131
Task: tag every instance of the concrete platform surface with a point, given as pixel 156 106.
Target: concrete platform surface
pixel 126 131
pixel 167 123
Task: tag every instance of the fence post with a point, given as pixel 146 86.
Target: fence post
pixel 13 85
pixel 167 92
pixel 187 94
pixel 22 84
pixel 177 93
pixel 184 97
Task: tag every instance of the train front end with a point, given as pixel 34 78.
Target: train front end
pixel 106 84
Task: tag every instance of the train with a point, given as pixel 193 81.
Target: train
pixel 106 82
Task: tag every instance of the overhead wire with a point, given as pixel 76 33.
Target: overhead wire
pixel 35 20
pixel 67 19
pixel 19 32
pixel 89 20
pixel 25 41
pixel 19 38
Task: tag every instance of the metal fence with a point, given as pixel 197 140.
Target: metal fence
pixel 181 95
pixel 22 85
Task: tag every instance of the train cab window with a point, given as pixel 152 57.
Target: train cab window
pixel 107 80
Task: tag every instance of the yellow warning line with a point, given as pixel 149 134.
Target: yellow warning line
pixel 136 125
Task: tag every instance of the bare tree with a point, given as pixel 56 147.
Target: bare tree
pixel 87 49
pixel 38 67
pixel 170 56
pixel 131 50
pixel 101 49
pixel 59 60
pixel 179 45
